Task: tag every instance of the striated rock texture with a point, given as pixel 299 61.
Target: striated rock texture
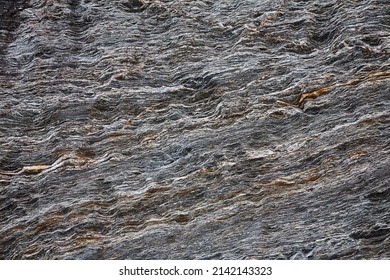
pixel 194 129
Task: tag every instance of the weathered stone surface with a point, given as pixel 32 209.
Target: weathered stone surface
pixel 194 129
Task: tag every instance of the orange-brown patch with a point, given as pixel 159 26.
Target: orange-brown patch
pixel 313 94
pixel 312 178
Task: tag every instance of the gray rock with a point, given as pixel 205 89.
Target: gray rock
pixel 194 129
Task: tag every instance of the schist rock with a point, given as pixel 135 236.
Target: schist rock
pixel 194 129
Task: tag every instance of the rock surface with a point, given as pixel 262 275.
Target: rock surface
pixel 191 129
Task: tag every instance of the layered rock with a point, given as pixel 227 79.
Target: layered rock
pixel 194 129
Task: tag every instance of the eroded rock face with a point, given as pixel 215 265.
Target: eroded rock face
pixel 194 129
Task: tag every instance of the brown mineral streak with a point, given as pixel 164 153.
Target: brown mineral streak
pixel 320 91
pixel 313 94
pixel 312 178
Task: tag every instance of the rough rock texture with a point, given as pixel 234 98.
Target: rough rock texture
pixel 194 129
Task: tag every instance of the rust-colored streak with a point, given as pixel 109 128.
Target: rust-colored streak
pixel 356 154
pixel 11 231
pixel 313 94
pixel 157 190
pixel 317 92
pixel 185 191
pixel 281 183
pixel 148 136
pixel 118 134
pixel 380 74
pixel 312 178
